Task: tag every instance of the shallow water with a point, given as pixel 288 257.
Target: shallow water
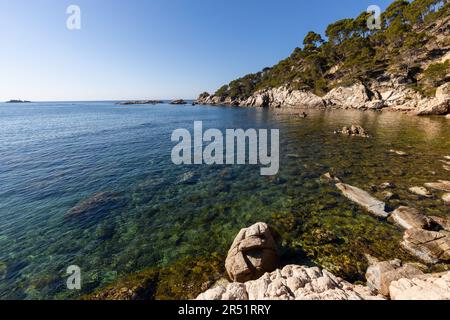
pixel 54 156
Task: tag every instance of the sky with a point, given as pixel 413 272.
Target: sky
pixel 150 49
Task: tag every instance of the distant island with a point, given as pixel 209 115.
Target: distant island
pixel 134 102
pixel 18 101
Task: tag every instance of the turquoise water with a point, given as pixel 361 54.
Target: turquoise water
pixel 148 212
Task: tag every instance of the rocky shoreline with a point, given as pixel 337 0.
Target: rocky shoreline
pixel 391 93
pixel 252 266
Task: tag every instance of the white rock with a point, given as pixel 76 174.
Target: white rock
pixel 430 287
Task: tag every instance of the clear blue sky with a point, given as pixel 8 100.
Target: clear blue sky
pixel 133 49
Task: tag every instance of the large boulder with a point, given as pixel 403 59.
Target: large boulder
pixel 429 246
pixel 355 96
pixel 293 282
pixel 380 275
pixel 253 253
pixel 429 287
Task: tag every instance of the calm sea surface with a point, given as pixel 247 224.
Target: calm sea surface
pixel 93 185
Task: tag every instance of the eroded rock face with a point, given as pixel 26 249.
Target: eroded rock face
pixel 429 287
pixel 292 283
pixel 429 246
pixel 253 253
pixel 353 96
pixel 380 275
pixel 364 199
pixel 409 218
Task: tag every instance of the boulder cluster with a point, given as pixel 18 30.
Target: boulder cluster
pixel 252 266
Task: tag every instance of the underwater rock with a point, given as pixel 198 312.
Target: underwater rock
pixel 388 195
pixel 354 130
pixel 409 218
pixel 188 178
pixel 99 202
pixel 427 287
pixel 398 152
pixel 421 191
pixel 364 199
pixel 441 185
pixel 380 275
pixel 293 282
pixel 330 178
pixel 253 253
pixel 429 246
pixel 387 185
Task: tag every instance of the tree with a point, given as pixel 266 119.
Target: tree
pixel 339 31
pixel 312 40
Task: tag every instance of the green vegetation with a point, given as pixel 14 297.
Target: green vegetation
pixel 353 53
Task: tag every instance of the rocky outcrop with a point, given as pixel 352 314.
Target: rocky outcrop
pixel 252 254
pixel 354 131
pixel 428 246
pixel 139 102
pixel 178 102
pixel 355 96
pixel 381 274
pixel 440 105
pixel 409 218
pixel 364 199
pixel 389 91
pixel 426 287
pixel 293 282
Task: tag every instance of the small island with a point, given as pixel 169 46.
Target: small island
pixel 18 101
pixel 179 102
pixel 134 102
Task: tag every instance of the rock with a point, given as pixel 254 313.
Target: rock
pixel 421 191
pixel 387 185
pixel 139 102
pixel 252 254
pixel 446 167
pixel 428 287
pixel 18 101
pixel 399 153
pixel 388 195
pixel 441 185
pixel 354 130
pixel 446 197
pixel 409 218
pixel 429 246
pixel 178 102
pixel 330 178
pixel 447 116
pixel 355 96
pixel 364 199
pixel 447 157
pixel 443 223
pixel 99 203
pixel 380 275
pixel 440 105
pixel 294 282
pixel 375 105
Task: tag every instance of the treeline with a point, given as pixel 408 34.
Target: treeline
pixel 352 52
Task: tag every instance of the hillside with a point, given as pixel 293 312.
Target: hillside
pixel 403 65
